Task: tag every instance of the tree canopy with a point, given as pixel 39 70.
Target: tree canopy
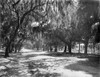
pixel 60 22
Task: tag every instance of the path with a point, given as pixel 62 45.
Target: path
pixel 39 64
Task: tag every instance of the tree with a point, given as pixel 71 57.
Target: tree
pixel 18 12
pixel 69 21
pixel 87 14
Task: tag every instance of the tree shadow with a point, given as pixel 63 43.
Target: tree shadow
pixel 93 60
pixel 90 66
pixel 62 54
pixel 39 74
pixel 39 69
pixel 59 54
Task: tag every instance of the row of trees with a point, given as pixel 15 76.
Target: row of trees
pixel 59 22
pixel 74 22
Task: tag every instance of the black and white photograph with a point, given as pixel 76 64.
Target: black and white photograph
pixel 49 38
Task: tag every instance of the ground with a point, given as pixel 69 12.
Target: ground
pixel 32 63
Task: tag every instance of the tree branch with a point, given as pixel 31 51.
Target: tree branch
pixel 26 13
pixel 13 5
pixel 61 39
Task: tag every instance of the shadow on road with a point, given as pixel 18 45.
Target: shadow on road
pixel 90 66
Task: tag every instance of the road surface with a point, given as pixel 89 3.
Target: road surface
pixel 30 63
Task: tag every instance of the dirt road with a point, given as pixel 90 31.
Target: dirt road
pixel 30 63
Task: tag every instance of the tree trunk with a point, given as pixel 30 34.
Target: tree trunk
pixel 6 52
pixel 86 46
pixel 94 48
pixel 65 49
pixel 55 48
pixel 11 40
pixel 50 49
pixel 9 45
pixel 15 49
pixel 11 48
pixel 69 48
pixel 79 48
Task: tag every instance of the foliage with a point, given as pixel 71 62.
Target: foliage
pixel 13 19
pixel 47 22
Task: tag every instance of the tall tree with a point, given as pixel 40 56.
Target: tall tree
pixel 88 15
pixel 18 12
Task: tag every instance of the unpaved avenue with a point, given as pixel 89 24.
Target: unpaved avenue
pixel 38 64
